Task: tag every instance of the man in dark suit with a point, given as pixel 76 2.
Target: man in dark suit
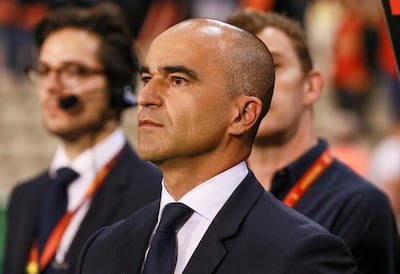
pixel 287 152
pixel 207 86
pixel 85 74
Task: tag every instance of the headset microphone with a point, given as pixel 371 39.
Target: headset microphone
pixel 120 98
pixel 68 102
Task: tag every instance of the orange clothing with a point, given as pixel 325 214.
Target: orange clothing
pixel 351 70
pixel 258 4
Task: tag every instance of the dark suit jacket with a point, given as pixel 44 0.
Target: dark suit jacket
pixel 130 184
pixel 253 233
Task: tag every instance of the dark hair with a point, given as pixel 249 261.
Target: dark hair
pixel 107 22
pixel 254 21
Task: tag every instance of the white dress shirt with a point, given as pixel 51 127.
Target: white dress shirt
pixel 206 200
pixel 87 164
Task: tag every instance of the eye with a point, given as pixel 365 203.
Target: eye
pixel 178 81
pixel 75 70
pixel 78 71
pixel 145 79
pixel 42 70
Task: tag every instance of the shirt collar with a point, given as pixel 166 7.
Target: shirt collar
pixel 299 166
pixel 215 191
pixel 296 169
pixel 92 159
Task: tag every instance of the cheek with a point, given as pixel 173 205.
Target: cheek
pixel 91 109
pixel 280 101
pixel 99 104
pixel 286 105
pixel 288 76
pixel 187 116
pixel 94 95
pixel 203 115
pixel 264 125
pixel 44 96
pixel 284 83
pixel 288 89
pixel 41 94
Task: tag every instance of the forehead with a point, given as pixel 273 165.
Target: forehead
pixel 278 42
pixel 200 46
pixel 70 45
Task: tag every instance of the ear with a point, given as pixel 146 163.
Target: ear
pixel 313 86
pixel 247 110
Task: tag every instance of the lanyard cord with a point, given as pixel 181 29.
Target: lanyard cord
pixel 308 178
pixel 35 263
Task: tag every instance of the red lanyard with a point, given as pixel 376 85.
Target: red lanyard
pixel 34 262
pixel 308 178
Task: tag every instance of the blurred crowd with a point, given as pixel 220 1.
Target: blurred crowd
pixel 360 112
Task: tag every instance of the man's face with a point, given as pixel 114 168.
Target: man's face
pixel 69 58
pixel 183 110
pixel 282 120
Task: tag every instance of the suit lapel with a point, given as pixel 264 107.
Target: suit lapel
pixel 23 223
pixel 211 251
pixel 105 201
pixel 136 240
pixel 207 255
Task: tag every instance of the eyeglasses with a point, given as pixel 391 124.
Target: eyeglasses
pixel 67 74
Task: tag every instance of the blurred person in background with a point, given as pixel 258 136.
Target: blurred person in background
pixel 389 71
pixel 135 11
pixel 384 167
pixel 85 73
pixel 161 15
pixel 355 66
pixel 216 9
pixel 17 19
pixel 299 168
pixel 294 9
pixel 164 13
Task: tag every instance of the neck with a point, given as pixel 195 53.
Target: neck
pixel 266 159
pixel 86 140
pixel 183 174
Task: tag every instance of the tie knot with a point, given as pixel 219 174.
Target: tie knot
pixel 174 216
pixel 65 176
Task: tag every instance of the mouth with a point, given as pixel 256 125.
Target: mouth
pixel 50 105
pixel 147 123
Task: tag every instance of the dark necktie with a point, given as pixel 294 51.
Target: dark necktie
pixel 54 205
pixel 161 258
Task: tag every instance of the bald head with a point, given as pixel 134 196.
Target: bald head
pixel 244 59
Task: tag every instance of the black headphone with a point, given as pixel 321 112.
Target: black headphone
pixel 122 98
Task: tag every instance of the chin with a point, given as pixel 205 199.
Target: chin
pixel 270 139
pixel 55 130
pixel 146 154
pixel 151 154
pixel 63 132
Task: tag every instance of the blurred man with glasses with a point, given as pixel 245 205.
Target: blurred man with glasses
pixel 85 75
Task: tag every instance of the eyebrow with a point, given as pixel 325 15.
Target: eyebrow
pixel 173 69
pixel 144 69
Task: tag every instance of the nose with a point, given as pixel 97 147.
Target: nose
pixel 51 82
pixel 150 94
